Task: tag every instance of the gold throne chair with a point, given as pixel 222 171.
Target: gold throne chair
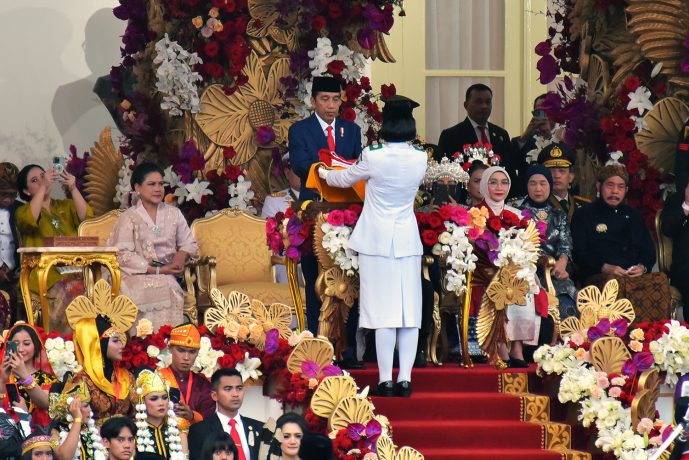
pixel 235 257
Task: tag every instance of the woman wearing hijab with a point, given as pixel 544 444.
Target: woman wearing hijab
pixel 387 240
pixel 522 322
pixel 558 243
pixel 99 338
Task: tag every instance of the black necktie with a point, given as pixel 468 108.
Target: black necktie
pixel 565 205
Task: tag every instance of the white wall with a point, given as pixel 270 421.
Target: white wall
pixel 52 52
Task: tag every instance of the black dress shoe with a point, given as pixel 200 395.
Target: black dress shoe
pixel 384 389
pixel 420 360
pixel 350 364
pixel 403 389
pixel 517 363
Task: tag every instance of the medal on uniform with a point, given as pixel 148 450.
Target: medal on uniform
pixel 601 228
pixel 542 214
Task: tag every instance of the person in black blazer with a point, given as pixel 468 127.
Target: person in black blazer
pixel 538 126
pixel 9 237
pixel 228 393
pixel 675 223
pixel 476 127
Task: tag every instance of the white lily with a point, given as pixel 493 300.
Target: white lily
pixel 640 100
pixel 197 190
pixel 249 368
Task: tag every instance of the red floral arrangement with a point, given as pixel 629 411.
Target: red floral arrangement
pixel 431 226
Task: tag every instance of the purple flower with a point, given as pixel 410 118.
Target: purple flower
pixel 685 43
pixel 293 229
pixel 331 370
pixel 569 84
pixel 599 330
pixel 355 430
pixel 184 172
pixel 548 68
pixel 310 369
pixel 377 19
pixel 639 363
pixel 293 253
pixel 373 432
pixel 188 150
pixel 620 327
pixel 272 342
pixel 366 38
pixel 684 65
pixel 543 48
pixel 265 135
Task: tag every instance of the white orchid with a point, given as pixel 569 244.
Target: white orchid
pixel 197 190
pixel 207 359
pixel 241 195
pixel 249 368
pixel 640 100
pixel 123 188
pixel 455 246
pixel 176 80
pixel 335 239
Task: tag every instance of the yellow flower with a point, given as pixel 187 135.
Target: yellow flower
pixel 580 354
pixel 255 331
pixel 144 328
pixel 242 333
pixel 213 12
pixel 636 346
pixel 218 27
pixel 125 104
pixel 637 334
pixel 197 21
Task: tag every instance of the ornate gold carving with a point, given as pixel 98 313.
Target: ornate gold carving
pixel 535 408
pixel 593 305
pixel 276 316
pixel 506 289
pixel 351 409
pixel 379 51
pixel 644 402
pixel 514 382
pixel 315 349
pixel 231 120
pixel 658 139
pixel 235 309
pixel 608 354
pixel 558 436
pixel 598 80
pixel 433 342
pixel 121 310
pixel 101 177
pixel 386 450
pixel 324 260
pixel 264 23
pixel 329 393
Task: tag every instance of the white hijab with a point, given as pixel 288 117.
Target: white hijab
pixel 495 206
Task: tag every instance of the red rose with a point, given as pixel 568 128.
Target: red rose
pixel 494 223
pixel 429 237
pixel 355 208
pixel 632 83
pixel 445 212
pixel 211 48
pixel 227 5
pixel 318 23
pixel 352 92
pixel 335 67
pixel 365 83
pixel 233 172
pixel 387 91
pixel 140 360
pixel 212 69
pixel 434 221
pixel 349 114
pixel 228 153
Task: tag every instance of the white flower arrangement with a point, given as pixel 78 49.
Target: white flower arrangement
pixel 516 248
pixel 335 240
pixel 61 356
pixel 576 384
pixel 241 195
pixel 176 80
pixel 249 368
pixel 671 352
pixel 556 359
pixel 454 244
pixel 207 359
pixel 123 189
pixel 91 434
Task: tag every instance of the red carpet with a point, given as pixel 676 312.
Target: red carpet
pixel 459 414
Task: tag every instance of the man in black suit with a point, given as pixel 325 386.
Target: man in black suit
pixel 228 393
pixel 475 127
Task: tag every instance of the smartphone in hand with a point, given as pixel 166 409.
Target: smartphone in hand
pixel 12 393
pixel 539 113
pixel 10 347
pixel 175 395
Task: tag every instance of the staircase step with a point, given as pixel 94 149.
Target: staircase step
pixel 468 434
pixel 452 405
pixel 490 454
pixel 456 379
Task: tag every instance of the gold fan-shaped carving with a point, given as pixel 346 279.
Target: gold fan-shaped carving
pixel 121 311
pixel 337 284
pixel 326 262
pixel 276 316
pixel 660 27
pixel 608 354
pixel 101 173
pixel 386 450
pixel 598 79
pixel 314 349
pixel 379 51
pixel 594 305
pixel 648 391
pixel 506 289
pixel 330 392
pixel 626 57
pixel 268 22
pixel 658 140
pixel 351 409
pixel 236 307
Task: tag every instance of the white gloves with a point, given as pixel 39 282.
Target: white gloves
pixel 323 173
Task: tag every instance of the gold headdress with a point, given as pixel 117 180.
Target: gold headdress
pixel 34 441
pixel 120 312
pixel 59 402
pixel 149 382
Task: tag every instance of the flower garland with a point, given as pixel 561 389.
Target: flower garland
pixel 337 228
pixel 61 355
pixel 173 439
pixel 94 444
pixel 174 78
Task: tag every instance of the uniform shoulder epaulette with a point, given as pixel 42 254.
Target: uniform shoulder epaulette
pixel 375 146
pixel 279 194
pixel 582 199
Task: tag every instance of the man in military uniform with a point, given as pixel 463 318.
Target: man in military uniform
pixel 559 158
pixel 280 201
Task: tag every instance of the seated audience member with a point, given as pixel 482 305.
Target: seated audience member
pixel 539 126
pixel 154 242
pixel 9 241
pixel 478 103
pixel 559 158
pixel 42 216
pixel 674 224
pixel 195 402
pixel 219 446
pixel 228 393
pixel 610 238
pixel 119 437
pixel 37 446
pixel 558 243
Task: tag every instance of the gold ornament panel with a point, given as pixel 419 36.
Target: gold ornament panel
pixel 316 349
pixel 352 409
pixel 608 354
pixel 329 394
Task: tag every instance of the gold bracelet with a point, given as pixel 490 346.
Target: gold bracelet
pixel 78 420
pixel 30 386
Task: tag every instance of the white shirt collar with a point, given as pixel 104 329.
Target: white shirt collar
pixel 474 124
pixel 560 198
pixel 225 422
pixel 325 125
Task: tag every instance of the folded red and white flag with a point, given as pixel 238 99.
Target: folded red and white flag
pixel 333 160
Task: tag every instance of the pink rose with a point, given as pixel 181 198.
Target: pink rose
pixel 350 217
pixel 460 216
pixel 602 380
pixel 645 426
pixel 336 218
pixel 577 338
pixel 474 233
pixel 596 393
pixel 615 392
pixel 619 381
